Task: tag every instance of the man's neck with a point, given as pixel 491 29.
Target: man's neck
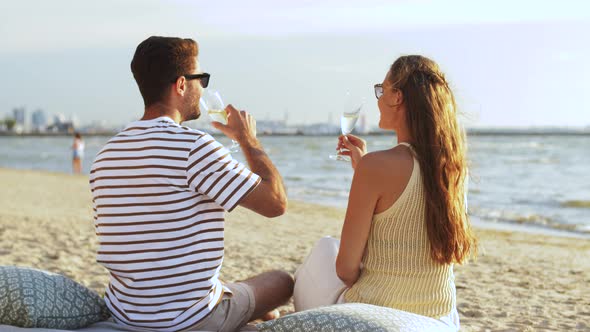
pixel 159 109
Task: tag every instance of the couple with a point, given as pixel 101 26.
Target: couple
pixel 160 191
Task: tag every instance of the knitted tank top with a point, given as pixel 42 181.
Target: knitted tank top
pixel 398 271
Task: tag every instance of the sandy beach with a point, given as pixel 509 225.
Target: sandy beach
pixel 521 281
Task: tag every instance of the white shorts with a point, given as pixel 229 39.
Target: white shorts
pixel 316 281
pixel 317 284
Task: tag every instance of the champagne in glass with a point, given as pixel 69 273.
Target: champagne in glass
pixel 348 121
pixel 218 115
pixel 212 102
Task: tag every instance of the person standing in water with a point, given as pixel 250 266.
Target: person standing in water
pixel 78 153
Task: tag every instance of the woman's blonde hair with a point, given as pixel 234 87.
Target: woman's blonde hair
pixel 439 142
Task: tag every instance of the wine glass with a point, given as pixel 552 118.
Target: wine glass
pixel 348 121
pixel 212 103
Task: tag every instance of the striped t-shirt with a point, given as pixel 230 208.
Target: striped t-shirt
pixel 159 192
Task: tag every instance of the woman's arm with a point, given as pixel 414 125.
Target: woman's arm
pixel 357 223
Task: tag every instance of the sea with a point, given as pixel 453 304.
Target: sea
pixel 539 183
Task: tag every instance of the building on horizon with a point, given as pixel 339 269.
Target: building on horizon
pixel 270 127
pixel 74 120
pixel 58 118
pixel 39 121
pixel 320 129
pixel 19 115
pixel 61 125
pixel 100 127
pixel 362 127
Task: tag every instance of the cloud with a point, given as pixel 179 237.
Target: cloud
pixel 567 56
pixel 67 24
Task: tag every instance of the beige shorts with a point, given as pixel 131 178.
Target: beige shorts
pixel 233 312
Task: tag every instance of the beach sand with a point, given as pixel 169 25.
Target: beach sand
pixel 521 281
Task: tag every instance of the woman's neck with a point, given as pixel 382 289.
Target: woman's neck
pixel 403 136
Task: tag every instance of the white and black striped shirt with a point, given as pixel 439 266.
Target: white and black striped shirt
pixel 159 192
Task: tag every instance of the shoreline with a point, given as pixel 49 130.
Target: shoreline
pixel 476 221
pixel 527 228
pixel 501 225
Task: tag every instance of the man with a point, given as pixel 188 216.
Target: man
pixel 160 191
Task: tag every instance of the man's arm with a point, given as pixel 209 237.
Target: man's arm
pixel 268 198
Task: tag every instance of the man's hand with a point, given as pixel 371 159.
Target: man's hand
pixel 353 146
pixel 269 197
pixel 240 127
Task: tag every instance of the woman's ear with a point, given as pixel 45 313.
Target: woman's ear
pixel 399 97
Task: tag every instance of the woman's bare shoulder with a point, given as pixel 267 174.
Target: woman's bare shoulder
pixel 388 173
pixel 395 158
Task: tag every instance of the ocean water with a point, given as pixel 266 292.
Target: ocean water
pixel 533 181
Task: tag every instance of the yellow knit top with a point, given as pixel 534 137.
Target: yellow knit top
pixel 398 271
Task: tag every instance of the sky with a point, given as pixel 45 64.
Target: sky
pixel 510 63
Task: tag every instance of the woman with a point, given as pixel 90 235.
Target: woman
pixel 406 223
pixel 77 153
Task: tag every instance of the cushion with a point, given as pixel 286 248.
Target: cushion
pixel 35 298
pixel 357 317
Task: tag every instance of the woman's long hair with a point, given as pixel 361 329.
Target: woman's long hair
pixel 439 143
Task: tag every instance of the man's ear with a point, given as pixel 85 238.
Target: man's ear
pixel 180 86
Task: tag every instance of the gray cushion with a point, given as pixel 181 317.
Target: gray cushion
pixel 357 317
pixel 35 298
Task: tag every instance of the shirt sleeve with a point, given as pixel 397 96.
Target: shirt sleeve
pixel 213 172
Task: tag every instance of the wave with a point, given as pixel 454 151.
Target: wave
pixel 576 204
pixel 546 161
pixel 528 219
pixel 310 194
pixel 493 145
pixel 310 146
pixel 294 178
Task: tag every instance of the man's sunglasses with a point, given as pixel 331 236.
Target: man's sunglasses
pixel 204 78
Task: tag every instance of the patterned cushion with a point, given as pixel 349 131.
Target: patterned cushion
pixel 34 298
pixel 351 317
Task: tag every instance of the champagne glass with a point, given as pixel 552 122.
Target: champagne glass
pixel 348 121
pixel 212 103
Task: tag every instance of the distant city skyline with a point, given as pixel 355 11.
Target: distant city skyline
pixel 511 64
pixel 21 122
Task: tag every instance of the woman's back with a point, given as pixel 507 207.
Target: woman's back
pixel 393 169
pixel 406 222
pixel 398 270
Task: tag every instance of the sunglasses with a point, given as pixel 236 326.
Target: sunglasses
pixel 378 90
pixel 203 77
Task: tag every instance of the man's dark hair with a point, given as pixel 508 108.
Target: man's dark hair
pixel 160 60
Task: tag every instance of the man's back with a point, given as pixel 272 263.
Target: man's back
pixel 159 193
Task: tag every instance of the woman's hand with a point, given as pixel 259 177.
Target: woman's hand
pixel 353 146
